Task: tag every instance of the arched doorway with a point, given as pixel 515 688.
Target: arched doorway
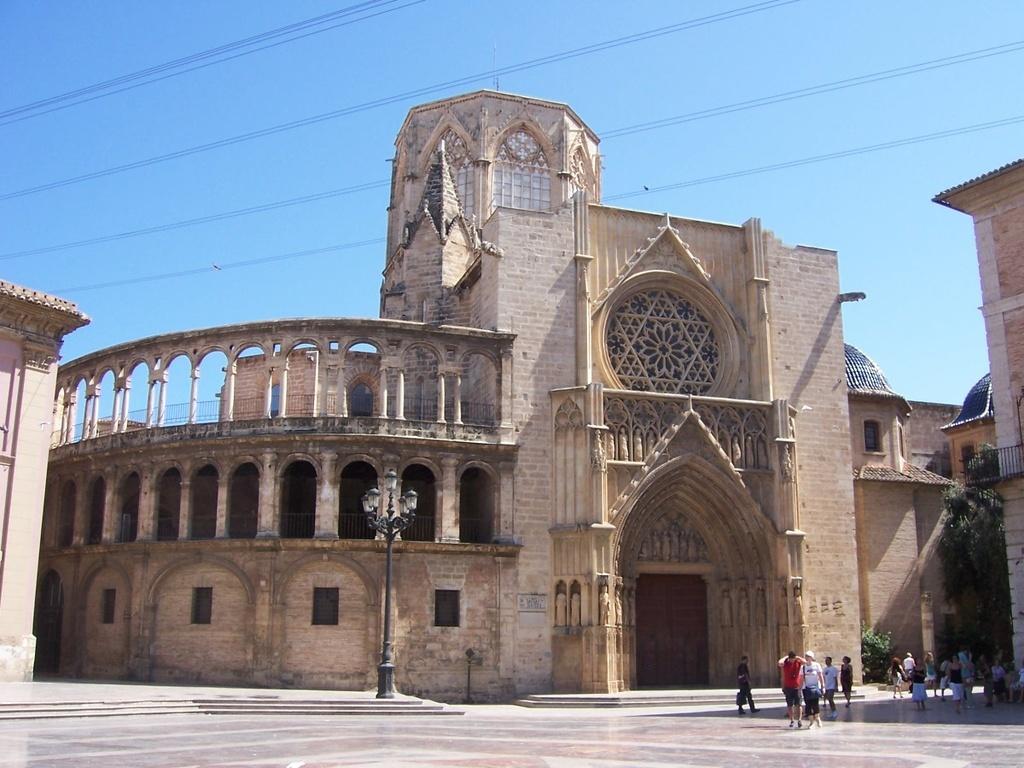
pixel 695 555
pixel 48 620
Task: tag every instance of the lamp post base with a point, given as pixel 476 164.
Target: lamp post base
pixel 386 681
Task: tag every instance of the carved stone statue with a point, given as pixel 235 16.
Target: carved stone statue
pixel 574 610
pixel 603 606
pixel 561 619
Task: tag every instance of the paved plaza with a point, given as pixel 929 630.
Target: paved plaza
pixel 874 732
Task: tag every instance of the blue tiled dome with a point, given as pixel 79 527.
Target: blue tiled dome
pixel 863 374
pixel 977 404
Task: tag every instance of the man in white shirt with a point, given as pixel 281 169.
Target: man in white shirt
pixel 831 675
pixel 814 683
pixel 909 665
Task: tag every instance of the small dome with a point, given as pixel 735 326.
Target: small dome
pixel 863 374
pixel 977 404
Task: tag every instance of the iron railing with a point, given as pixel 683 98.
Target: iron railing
pixel 994 465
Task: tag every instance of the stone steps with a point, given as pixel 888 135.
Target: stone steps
pixel 680 698
pixel 235 705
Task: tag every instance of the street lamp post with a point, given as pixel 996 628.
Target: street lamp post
pixel 389 524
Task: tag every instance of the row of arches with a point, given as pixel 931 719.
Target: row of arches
pixel 249 380
pixel 206 504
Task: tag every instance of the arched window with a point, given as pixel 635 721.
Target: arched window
pixel 298 501
pixel 128 521
pixel 356 479
pixel 97 503
pixel 204 503
pixel 420 479
pixel 461 165
pixel 522 178
pixel 872 437
pixel 244 502
pixel 168 511
pixel 66 520
pixel 361 400
pixel 476 506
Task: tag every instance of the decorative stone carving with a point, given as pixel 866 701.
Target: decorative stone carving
pixel 598 459
pixel 725 607
pixel 561 605
pixel 568 416
pixel 39 358
pixel 787 463
pixel 660 342
pixel 604 606
pixel 671 540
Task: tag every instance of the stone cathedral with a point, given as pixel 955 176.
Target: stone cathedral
pixel 630 434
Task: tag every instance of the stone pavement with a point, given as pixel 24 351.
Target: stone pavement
pixel 877 732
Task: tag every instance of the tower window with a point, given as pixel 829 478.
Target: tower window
pixel 446 607
pixel 325 605
pixel 522 178
pixel 202 605
pixel 872 439
pixel 108 606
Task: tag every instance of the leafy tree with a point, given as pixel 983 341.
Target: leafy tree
pixel 875 653
pixel 972 549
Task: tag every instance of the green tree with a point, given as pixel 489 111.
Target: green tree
pixel 972 549
pixel 875 653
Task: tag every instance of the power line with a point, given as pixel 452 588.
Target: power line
pixel 384 101
pixel 814 90
pixel 678 185
pixel 821 158
pixel 149 74
pixel 272 206
pixel 221 266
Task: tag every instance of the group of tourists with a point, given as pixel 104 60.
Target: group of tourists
pixel 805 682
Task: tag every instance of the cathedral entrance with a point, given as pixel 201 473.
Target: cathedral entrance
pixel 671 630
pixel 48 619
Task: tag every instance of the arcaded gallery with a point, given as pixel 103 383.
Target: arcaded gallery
pixel 631 456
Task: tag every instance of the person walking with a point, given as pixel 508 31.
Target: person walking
pixel 814 684
pixel 791 667
pixel 918 690
pixel 896 676
pixel 931 679
pixel 744 695
pixel 984 671
pixel 944 681
pixel 846 679
pixel 955 670
pixel 999 680
pixel 831 685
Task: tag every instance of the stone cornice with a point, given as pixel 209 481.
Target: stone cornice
pixel 30 313
pixel 985 193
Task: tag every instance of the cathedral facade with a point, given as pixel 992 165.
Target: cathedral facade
pixel 630 434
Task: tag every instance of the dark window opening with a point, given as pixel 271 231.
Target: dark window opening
pixel 420 479
pixel 325 605
pixel 298 501
pixel 446 607
pixel 361 401
pixel 108 606
pixel 204 503
pixel 275 400
pixel 168 513
pixel 476 506
pixel 202 605
pixel 244 502
pixel 356 479
pixel 66 527
pixel 97 501
pixel 872 440
pixel 128 525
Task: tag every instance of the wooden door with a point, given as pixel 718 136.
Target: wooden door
pixel 671 630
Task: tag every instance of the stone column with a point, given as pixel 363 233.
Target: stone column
pixel 268 518
pixel 94 410
pixel 223 480
pixel 193 397
pixel 383 399
pixel 229 391
pixel 72 412
pixel 111 516
pixel 115 411
pixel 440 396
pixel 457 399
pixel 162 405
pixel 504 523
pixel 149 402
pixel 147 505
pixel 82 499
pixel 449 522
pixel 327 503
pixel 125 400
pixel 400 396
pixel 282 408
pixel 341 396
pixel 506 388
pixel 269 399
pixel 185 511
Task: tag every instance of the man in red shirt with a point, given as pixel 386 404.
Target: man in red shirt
pixel 792 666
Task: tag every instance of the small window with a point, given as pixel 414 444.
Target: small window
pixel 325 605
pixel 361 400
pixel 202 605
pixel 872 443
pixel 275 401
pixel 966 454
pixel 446 607
pixel 109 606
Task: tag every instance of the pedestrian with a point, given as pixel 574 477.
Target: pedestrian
pixel 931 678
pixel 955 670
pixel 918 690
pixel 984 672
pixel 791 666
pixel 743 695
pixel 944 682
pixel 814 683
pixel 969 674
pixel 846 679
pixel 909 665
pixel 999 680
pixel 831 684
pixel 896 676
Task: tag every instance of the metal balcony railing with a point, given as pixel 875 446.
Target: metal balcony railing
pixel 994 465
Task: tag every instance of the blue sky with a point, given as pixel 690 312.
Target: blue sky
pixel 914 259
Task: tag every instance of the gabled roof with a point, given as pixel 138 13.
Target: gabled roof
pixel 909 474
pixel 977 405
pixel 943 197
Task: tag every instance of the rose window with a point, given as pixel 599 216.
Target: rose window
pixel 660 342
